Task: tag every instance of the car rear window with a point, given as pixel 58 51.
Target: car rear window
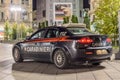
pixel 77 30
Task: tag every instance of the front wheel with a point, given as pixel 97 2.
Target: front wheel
pixel 17 56
pixel 60 59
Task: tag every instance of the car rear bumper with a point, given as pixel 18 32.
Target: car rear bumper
pixel 81 54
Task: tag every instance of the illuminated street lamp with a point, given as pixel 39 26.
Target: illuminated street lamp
pixel 16 9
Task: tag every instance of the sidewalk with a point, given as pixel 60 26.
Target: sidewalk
pixel 115 51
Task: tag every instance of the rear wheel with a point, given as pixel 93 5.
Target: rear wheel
pixel 60 59
pixel 17 56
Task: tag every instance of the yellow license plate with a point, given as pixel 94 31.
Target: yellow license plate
pixel 101 52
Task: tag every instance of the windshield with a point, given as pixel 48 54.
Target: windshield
pixel 81 30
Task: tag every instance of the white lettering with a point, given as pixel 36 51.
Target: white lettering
pixel 37 49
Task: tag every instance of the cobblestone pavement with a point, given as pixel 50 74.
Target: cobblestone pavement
pixel 31 70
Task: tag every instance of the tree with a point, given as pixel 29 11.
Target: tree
pixel 66 19
pixel 29 29
pixel 14 31
pixel 7 30
pixel 74 19
pixel 87 19
pixel 23 30
pixel 106 17
pixel 43 25
pixel 39 26
pixel 46 23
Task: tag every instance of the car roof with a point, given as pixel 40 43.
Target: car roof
pixel 75 25
pixel 64 26
pixel 54 27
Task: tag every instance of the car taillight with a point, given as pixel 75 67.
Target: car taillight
pixel 108 40
pixel 85 40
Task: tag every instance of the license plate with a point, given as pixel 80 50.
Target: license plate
pixel 101 52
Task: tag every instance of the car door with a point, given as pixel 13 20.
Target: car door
pixel 50 40
pixel 32 46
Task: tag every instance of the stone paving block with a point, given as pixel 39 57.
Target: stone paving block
pixel 66 77
pixel 46 72
pixel 115 65
pixel 2 75
pixel 47 77
pixel 7 69
pixel 85 76
pixel 20 74
pixel 41 68
pixel 37 73
pixel 112 72
pixel 10 77
pixel 34 76
pixel 67 74
pixel 101 75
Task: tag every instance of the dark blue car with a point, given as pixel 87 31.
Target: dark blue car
pixel 63 46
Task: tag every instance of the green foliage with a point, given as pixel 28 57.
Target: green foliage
pixel 39 26
pixel 29 30
pixel 87 19
pixel 7 30
pixel 14 31
pixel 66 19
pixel 74 19
pixel 106 17
pixel 46 23
pixel 23 31
pixel 43 25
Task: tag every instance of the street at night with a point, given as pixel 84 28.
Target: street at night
pixel 59 39
pixel 32 70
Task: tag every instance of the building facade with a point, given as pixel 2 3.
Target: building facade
pixel 54 10
pixel 93 6
pixel 19 11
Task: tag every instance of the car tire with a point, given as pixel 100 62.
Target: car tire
pixel 60 59
pixel 96 64
pixel 17 56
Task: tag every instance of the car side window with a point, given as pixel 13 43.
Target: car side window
pixel 38 35
pixel 63 32
pixel 52 33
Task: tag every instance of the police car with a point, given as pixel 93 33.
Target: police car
pixel 64 45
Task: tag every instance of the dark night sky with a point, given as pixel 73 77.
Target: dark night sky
pixel 34 4
pixel 85 3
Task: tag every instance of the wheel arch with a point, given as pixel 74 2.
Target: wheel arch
pixel 67 53
pixel 20 57
pixel 16 46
